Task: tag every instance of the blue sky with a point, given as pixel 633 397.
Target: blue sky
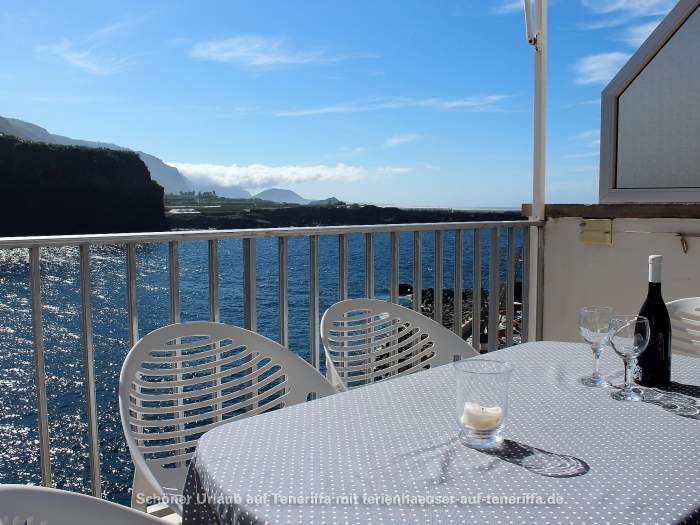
pixel 417 103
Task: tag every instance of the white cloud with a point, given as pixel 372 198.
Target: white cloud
pixel 600 68
pixel 507 7
pixel 262 175
pixel 474 103
pixel 588 134
pixel 592 168
pixel 82 59
pixel 393 170
pixel 81 52
pixel 257 51
pixel 636 35
pixel 614 13
pixel 398 140
pixel 630 7
pixel 589 139
pixel 586 155
pixel 589 102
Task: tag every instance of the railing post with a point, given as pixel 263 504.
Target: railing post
pixel 314 322
pixel 369 265
pixel 131 302
pixel 437 295
pixel 342 267
pixel 457 296
pixel 40 367
pixel 174 280
pixel 394 267
pixel 510 286
pixel 175 317
pixel 213 271
pixel 214 311
pixel 540 283
pixel 132 306
pixel 89 368
pixel 533 273
pixel 283 277
pixel 250 316
pixel 525 312
pixel 249 306
pixel 494 289
pixel 417 272
pixel 476 292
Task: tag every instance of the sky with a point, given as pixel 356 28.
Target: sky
pixel 413 103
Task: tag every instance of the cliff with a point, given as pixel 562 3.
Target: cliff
pixel 50 189
pixel 167 176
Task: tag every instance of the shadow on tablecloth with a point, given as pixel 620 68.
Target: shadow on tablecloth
pixel 539 461
pixel 435 462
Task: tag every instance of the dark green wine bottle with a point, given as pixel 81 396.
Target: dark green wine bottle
pixel 654 364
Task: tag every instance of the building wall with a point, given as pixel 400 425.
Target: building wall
pixel 659 117
pixel 577 275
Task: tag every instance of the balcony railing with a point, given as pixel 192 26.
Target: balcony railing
pixel 495 310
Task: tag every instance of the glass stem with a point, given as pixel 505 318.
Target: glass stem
pixel 596 360
pixel 628 375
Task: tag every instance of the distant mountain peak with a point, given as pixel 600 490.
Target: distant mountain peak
pixel 282 196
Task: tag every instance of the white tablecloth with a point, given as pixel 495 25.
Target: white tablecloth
pixel 572 454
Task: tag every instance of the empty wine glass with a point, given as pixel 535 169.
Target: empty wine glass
pixel 629 336
pixel 594 323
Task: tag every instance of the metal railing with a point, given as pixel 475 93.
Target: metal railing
pixel 249 236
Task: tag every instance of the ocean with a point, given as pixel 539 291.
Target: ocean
pixel 19 452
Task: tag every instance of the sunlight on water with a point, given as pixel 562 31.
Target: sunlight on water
pixel 19 451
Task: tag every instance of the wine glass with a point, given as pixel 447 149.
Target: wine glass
pixel 629 336
pixel 594 323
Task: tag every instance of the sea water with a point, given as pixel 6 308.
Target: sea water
pixel 60 291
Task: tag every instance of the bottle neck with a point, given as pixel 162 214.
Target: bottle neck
pixel 654 272
pixel 654 290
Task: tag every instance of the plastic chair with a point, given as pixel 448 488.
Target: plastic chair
pixel 20 504
pixel 184 379
pixel 367 340
pixel 685 326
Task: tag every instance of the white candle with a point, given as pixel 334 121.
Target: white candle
pixel 478 417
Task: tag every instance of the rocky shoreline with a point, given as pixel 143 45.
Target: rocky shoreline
pixel 428 307
pixel 334 215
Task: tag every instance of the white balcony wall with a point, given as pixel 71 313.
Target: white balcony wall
pixel 576 274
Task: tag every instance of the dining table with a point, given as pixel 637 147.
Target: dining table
pixel 389 452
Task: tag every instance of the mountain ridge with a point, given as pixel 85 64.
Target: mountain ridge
pixel 167 176
pixel 284 196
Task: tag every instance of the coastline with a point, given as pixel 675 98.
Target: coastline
pixel 340 215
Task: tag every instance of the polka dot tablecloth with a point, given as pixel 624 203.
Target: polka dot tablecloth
pixel 388 453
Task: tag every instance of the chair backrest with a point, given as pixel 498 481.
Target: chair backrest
pixel 184 379
pixel 366 340
pixel 685 326
pixel 20 504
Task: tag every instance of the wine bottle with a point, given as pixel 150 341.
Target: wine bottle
pixel 654 364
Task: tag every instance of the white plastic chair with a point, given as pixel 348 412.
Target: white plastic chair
pixel 366 340
pixel 685 326
pixel 20 504
pixel 184 379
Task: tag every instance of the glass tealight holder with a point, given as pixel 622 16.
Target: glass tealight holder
pixel 482 401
